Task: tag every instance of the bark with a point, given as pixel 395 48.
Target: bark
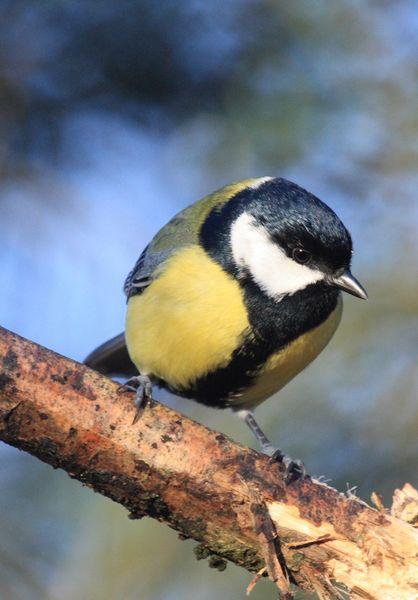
pixel 229 498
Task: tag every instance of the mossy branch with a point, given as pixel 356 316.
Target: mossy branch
pixel 230 499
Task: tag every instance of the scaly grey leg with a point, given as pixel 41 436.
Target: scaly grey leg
pixel 294 469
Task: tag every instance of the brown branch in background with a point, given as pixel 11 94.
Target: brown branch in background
pixel 229 498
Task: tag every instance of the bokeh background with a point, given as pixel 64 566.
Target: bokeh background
pixel 115 115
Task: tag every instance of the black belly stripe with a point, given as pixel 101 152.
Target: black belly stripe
pixel 274 325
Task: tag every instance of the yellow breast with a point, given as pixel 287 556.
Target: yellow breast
pixel 291 360
pixel 188 321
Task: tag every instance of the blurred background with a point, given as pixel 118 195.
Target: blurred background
pixel 114 116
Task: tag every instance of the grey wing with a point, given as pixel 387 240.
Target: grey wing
pixel 175 235
pixel 141 275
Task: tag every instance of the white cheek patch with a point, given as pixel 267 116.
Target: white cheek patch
pixel 270 267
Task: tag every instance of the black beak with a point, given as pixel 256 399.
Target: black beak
pixel 348 283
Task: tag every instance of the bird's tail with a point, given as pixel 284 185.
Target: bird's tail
pixel 112 358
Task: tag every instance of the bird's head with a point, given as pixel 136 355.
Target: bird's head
pixel 285 239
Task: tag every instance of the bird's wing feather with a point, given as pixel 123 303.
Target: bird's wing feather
pixel 182 230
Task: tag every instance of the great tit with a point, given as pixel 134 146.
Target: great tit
pixel 234 297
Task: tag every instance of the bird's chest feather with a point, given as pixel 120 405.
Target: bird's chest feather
pixel 282 366
pixel 205 337
pixel 188 322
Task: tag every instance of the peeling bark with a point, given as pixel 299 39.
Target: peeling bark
pixel 229 498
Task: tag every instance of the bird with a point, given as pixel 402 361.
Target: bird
pixel 233 298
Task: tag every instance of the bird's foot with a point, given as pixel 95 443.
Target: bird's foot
pixel 294 468
pixel 142 385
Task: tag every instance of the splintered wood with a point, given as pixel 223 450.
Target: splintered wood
pixel 382 564
pixel 269 545
pixel 405 504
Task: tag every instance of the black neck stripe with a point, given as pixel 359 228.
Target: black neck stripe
pixel 273 326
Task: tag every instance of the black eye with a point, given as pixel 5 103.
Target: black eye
pixel 301 256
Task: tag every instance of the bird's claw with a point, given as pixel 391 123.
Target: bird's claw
pixel 294 468
pixel 142 386
pixel 130 385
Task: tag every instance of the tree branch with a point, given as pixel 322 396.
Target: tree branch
pixel 229 498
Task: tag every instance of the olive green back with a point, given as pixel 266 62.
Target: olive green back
pixel 182 230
